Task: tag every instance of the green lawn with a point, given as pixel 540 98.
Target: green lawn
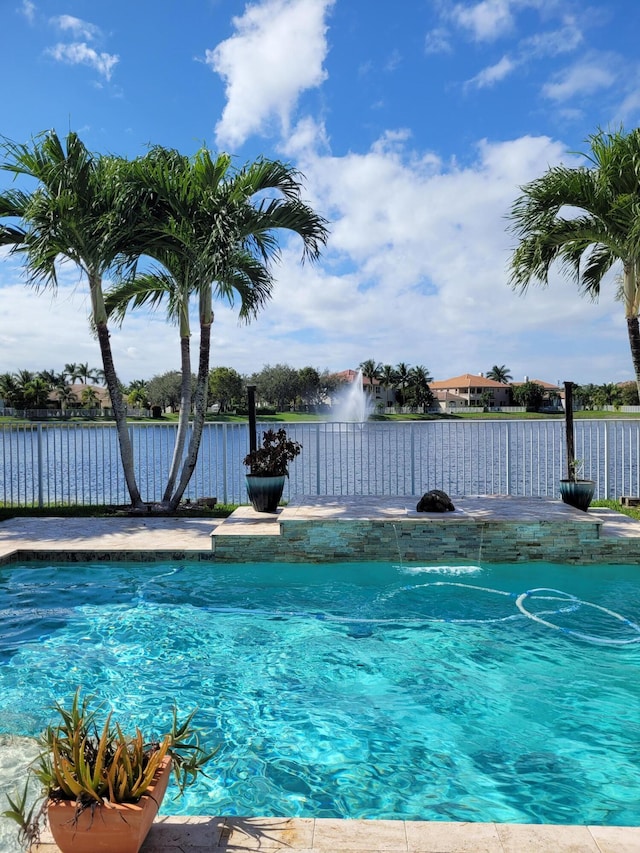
pixel 299 417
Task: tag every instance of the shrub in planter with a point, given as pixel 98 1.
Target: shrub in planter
pixel 100 788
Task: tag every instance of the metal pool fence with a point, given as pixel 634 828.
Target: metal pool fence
pixel 44 464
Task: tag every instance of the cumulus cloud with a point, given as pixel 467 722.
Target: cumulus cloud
pixel 276 53
pixel 584 78
pixel 79 53
pixel 416 265
pixel 485 21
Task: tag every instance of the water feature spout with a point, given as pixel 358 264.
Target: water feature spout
pixel 354 404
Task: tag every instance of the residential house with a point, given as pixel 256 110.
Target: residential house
pixel 470 389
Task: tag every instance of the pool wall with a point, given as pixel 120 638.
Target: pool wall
pixel 484 528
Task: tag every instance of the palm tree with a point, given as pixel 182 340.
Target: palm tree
pixel 71 371
pixel 37 393
pixel 66 395
pixel 74 214
pixel 85 373
pixel 402 375
pixel 605 231
pixel 89 398
pixel 500 374
pixel 388 378
pixel 212 233
pixel 419 391
pixel 10 391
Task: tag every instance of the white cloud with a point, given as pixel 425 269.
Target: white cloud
pixel 276 53
pixel 493 74
pixel 416 269
pixel 486 20
pixel 584 78
pixel 79 29
pixel 28 9
pixel 79 53
pixel 554 42
pixel 438 40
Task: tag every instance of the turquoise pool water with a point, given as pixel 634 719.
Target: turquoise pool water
pixel 352 690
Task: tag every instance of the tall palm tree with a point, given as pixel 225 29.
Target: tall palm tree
pixel 388 378
pixel 419 391
pixel 403 378
pixel 73 213
pixel 71 371
pixel 85 373
pixel 606 230
pixel 212 231
pixel 500 373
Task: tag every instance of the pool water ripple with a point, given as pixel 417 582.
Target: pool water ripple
pixel 350 691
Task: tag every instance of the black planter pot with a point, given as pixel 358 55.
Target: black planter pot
pixel 265 492
pixel 577 493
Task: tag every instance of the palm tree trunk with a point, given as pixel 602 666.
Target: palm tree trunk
pixel 183 420
pixel 120 415
pixel 633 330
pixel 200 408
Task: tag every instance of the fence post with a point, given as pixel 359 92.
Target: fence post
pixel 507 457
pixel 606 461
pixel 224 464
pixel 317 459
pixel 413 460
pixel 40 468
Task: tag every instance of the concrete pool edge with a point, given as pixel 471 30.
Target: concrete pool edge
pixel 327 835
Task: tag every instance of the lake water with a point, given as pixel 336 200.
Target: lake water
pixel 80 463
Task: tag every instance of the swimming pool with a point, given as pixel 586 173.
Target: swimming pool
pixel 352 690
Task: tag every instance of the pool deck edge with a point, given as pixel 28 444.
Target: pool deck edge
pixel 326 835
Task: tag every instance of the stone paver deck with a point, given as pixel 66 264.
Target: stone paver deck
pixel 126 536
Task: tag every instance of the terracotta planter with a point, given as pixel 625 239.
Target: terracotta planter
pixel 265 492
pixel 117 828
pixel 577 493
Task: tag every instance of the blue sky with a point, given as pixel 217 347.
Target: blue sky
pixel 414 124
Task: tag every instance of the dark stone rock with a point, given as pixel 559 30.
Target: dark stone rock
pixel 435 501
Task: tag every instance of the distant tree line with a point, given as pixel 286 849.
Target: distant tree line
pixel 411 384
pixel 27 389
pixel 279 387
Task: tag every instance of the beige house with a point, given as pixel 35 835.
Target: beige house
pixel 470 389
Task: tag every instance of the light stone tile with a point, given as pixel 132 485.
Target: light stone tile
pixel 616 839
pixel 438 837
pixel 543 838
pixel 369 835
pixel 184 832
pixel 255 833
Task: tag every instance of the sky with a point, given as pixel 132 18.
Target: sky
pixel 415 124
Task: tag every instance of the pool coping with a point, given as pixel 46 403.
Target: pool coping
pixel 160 538
pixel 331 835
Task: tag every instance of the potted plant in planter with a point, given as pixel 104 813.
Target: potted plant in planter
pixel 574 491
pixel 268 466
pixel 102 789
